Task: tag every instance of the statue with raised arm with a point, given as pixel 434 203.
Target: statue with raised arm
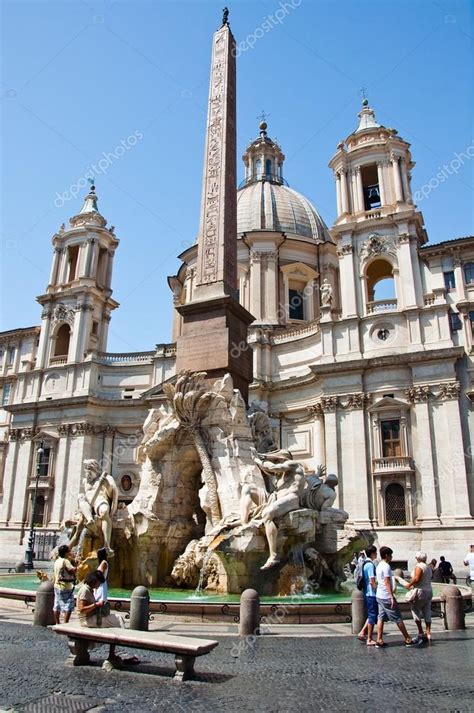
pixel 99 501
pixel 259 506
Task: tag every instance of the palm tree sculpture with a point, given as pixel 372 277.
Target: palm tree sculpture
pixel 190 399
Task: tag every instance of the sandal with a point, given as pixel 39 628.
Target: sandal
pixel 371 643
pixel 362 638
pixel 381 644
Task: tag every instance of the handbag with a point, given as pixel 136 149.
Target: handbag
pixel 102 612
pixel 413 595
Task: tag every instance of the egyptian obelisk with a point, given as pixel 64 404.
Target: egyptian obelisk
pixel 214 333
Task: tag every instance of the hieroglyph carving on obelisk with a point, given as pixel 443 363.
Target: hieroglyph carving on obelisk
pixel 217 241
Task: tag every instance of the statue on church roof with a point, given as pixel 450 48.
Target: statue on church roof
pixel 225 16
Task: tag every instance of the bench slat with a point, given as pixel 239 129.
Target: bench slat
pixel 151 640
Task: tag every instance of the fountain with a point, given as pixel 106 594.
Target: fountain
pixel 214 513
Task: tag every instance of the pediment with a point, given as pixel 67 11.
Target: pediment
pixel 388 402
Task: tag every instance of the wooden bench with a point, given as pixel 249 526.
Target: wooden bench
pixel 185 648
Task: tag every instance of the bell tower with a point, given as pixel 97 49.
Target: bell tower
pixel 378 228
pixel 78 299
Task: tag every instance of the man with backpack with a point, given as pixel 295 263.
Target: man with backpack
pixel 366 584
pixel 64 581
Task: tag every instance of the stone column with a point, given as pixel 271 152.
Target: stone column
pixel 397 178
pixel 453 488
pixel 344 192
pixel 55 265
pixel 356 487
pixel 427 506
pixel 381 180
pixel 256 285
pixel 271 288
pixel 318 433
pixel 407 281
pixel 405 182
pixel 459 279
pixel 338 193
pixel 42 353
pixel 353 191
pixel 108 456
pixel 110 265
pixel 329 406
pixel 347 280
pixel 89 250
pixel 360 190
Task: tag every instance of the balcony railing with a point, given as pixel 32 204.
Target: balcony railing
pixel 124 357
pixel 381 306
pixel 57 360
pixel 392 464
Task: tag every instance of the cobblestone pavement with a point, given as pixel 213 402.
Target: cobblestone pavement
pixel 273 674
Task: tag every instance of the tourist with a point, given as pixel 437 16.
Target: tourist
pixel 388 609
pixel 421 602
pixel 64 574
pixel 446 569
pixel 90 610
pixel 89 607
pixel 102 592
pixel 469 562
pixel 437 576
pixel 368 573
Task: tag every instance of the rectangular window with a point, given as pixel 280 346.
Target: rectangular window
pixel 95 328
pixel 10 356
pixel 391 443
pixel 449 281
pixel 455 321
pixel 296 304
pixel 43 462
pixel 7 388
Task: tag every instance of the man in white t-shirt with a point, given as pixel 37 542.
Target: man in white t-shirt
pixel 386 602
pixel 469 562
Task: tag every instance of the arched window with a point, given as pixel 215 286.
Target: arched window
pixel 258 168
pixel 63 336
pixel 395 509
pixel 268 168
pixel 469 273
pixel 380 285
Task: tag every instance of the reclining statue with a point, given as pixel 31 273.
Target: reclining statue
pixel 259 506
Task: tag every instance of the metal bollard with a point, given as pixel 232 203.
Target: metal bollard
pixel 44 615
pixel 454 607
pixel 358 611
pixel 249 613
pixel 139 609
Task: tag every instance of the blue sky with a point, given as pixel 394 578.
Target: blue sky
pixel 79 77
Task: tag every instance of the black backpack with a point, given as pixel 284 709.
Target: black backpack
pixel 360 584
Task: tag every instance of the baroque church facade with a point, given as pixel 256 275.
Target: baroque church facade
pixel 362 341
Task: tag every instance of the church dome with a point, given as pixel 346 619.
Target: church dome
pixel 266 205
pixel 264 199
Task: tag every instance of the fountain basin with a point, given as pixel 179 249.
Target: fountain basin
pixel 321 608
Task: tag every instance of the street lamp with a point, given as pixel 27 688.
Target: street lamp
pixel 31 538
